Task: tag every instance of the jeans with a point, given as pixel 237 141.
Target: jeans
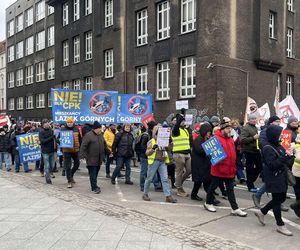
pixel 161 167
pixel 253 168
pixel 183 168
pixel 18 162
pixel 68 164
pixel 275 205
pixel 48 165
pixel 229 188
pixel 93 173
pixel 120 162
pixel 239 167
pixel 4 156
pixel 143 174
pixel 261 191
pixel 107 163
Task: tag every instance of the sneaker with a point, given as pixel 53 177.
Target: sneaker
pixel 170 199
pixel 28 171
pixel 181 192
pixel 283 230
pixel 52 175
pixel 260 216
pixel 49 182
pixel 129 182
pixel 196 198
pixel 284 208
pixel 216 202
pixel 69 185
pixel 294 206
pixel 8 169
pixel 63 173
pixel 113 182
pixel 238 212
pixel 256 201
pixel 97 190
pixel 42 174
pixel 72 180
pixel 242 180
pixel 108 176
pixel 210 207
pixel 146 197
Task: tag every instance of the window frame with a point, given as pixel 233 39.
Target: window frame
pixel 66 53
pixel 142 27
pixel 11 104
pixel 76 49
pixel 40 41
pixel 272 24
pixel 10 28
pixel 290 43
pixel 20 103
pixel 108 13
pixel 88 45
pixel 191 21
pixel 290 5
pixel 289 85
pixel 19 77
pixel 20 50
pixel 10 80
pixel 142 80
pixel 67 83
pixel 109 63
pixel 40 72
pixel 88 82
pixel 184 69
pixel 51 69
pixel 77 84
pixel 29 78
pixel 163 68
pixel 29 21
pixel 161 20
pixel 29 50
pixel 88 7
pixel 40 12
pixel 18 28
pixel 65 16
pixel 27 102
pixel 50 36
pixel 40 102
pixel 49 100
pixel 76 10
pixel 10 53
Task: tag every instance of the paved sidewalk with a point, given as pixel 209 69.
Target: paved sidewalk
pixel 38 216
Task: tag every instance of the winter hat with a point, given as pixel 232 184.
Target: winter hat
pixel 292 119
pixel 165 124
pixel 225 123
pixel 273 134
pixel 44 121
pixel 70 120
pixel 96 125
pixel 252 116
pixel 273 119
pixel 205 128
pixel 215 119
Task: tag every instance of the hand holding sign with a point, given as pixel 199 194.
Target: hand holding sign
pixel 213 148
pixel 66 139
pixel 163 137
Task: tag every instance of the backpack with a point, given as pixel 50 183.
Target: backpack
pixel 138 141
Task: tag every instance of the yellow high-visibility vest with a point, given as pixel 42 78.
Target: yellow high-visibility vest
pixel 296 163
pixel 151 157
pixel 181 142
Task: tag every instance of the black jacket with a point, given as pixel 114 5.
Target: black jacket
pixel 123 144
pixel 144 140
pixel 5 142
pixel 47 140
pixel 276 162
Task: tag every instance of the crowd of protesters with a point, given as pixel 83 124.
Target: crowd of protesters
pixel 257 150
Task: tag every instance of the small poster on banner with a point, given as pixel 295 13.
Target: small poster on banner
pixel 213 148
pixel 163 137
pixel 66 139
pixel 182 104
pixel 286 139
pixel 188 119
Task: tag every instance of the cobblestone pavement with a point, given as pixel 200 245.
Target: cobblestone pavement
pixel 161 234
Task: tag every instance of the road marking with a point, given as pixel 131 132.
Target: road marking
pixel 120 193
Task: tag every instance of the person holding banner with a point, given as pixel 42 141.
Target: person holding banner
pixel 224 171
pixel 71 152
pixel 293 125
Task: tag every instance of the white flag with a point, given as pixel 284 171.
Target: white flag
pixel 276 103
pixel 263 114
pixel 250 108
pixel 287 108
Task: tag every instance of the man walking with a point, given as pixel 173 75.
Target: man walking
pixel 109 137
pixel 5 145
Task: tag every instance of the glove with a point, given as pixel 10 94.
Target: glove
pixel 183 111
pixel 155 146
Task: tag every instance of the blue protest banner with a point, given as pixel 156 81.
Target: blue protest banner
pixel 66 139
pixel 29 147
pixel 134 108
pixel 84 106
pixel 213 148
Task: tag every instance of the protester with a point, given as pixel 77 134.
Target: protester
pixel 109 137
pixel 293 125
pixel 181 153
pixel 72 153
pixel 296 172
pixel 93 149
pixel 196 130
pixel 5 145
pixel 123 151
pixel 276 160
pixel 224 170
pixel 157 160
pixel 249 141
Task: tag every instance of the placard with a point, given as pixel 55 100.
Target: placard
pixel 29 147
pixel 182 104
pixel 286 139
pixel 66 139
pixel 188 119
pixel 213 148
pixel 163 137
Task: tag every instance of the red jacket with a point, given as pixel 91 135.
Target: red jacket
pixel 227 167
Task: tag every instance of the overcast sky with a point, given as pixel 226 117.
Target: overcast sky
pixel 4 5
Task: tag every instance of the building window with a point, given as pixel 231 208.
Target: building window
pixel 88 45
pixel 29 74
pixel 40 100
pixel 108 10
pixel 65 53
pixel 290 5
pixel 290 43
pixel 10 53
pixel 163 20
pixel 49 100
pixel 19 23
pixel 29 102
pixel 29 46
pixel 10 28
pixel 188 15
pixel 76 47
pixel 11 104
pixel 40 41
pixel 88 7
pixel 51 69
pixel 20 50
pixel 65 14
pixel 19 77
pixel 11 79
pixel 88 83
pixel 142 27
pixel 40 72
pixel 50 32
pixel 29 17
pixel 162 80
pixel 65 85
pixel 109 63
pixel 76 10
pixel 40 10
pixel 187 77
pixel 20 103
pixel 289 84
pixel 272 23
pixel 76 84
pixel 50 10
pixel 142 80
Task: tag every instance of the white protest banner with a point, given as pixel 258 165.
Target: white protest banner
pixel 188 119
pixel 263 114
pixel 250 108
pixel 163 137
pixel 184 104
pixel 288 108
pixel 4 120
